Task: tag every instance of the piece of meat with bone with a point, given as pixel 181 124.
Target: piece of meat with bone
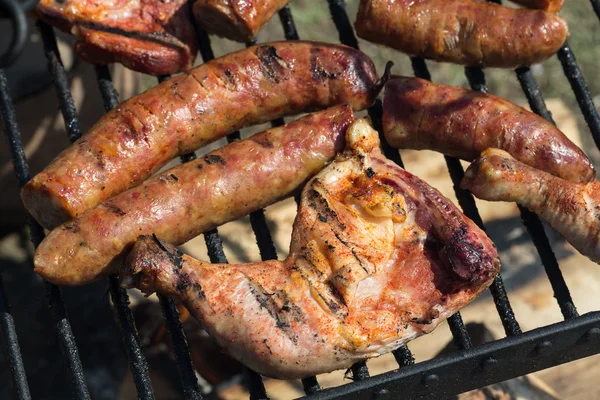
pixel 463 32
pixel 573 209
pixel 182 202
pixel 150 36
pixel 377 258
pixel 238 20
pixel 418 114
pixel 552 6
pixel 244 88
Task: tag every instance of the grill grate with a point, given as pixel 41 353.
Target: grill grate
pixel 576 337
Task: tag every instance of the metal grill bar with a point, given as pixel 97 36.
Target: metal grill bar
pixel 57 310
pixel 596 7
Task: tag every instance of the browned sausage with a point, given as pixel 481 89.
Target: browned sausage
pixel 236 19
pixel 194 197
pixel 552 6
pixel 248 87
pixel 462 123
pixel 462 31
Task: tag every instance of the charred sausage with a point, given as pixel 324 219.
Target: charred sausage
pixel 194 197
pixel 238 20
pixel 552 6
pixel 462 123
pixel 150 36
pixel 248 87
pixel 462 31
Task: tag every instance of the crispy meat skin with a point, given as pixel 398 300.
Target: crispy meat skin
pixel 238 20
pixel 194 197
pixel 150 36
pixel 418 114
pixel 244 88
pixel 462 31
pixel 552 6
pixel 573 209
pixel 377 258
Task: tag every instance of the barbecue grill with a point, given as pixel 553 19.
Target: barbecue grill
pixel 467 368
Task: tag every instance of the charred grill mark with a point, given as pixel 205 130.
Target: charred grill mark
pixel 198 288
pixel 173 176
pixel 175 258
pixel 170 178
pixel 290 308
pixel 265 300
pixel 319 73
pixel 114 209
pixel 214 159
pixel 333 300
pixel 72 226
pixel 322 218
pixel 229 80
pixel 370 173
pixel 183 281
pixel 161 38
pixel 200 166
pixel 359 261
pixel 267 346
pixel 263 142
pixel 328 213
pixel 271 64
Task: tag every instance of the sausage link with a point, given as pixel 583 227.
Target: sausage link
pixel 418 114
pixel 552 6
pixel 238 20
pixel 462 31
pixel 184 201
pixel 248 87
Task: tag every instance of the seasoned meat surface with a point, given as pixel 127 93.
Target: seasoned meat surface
pixel 552 6
pixel 573 209
pixel 377 258
pixel 150 36
pixel 462 31
pixel 184 201
pixel 418 114
pixel 244 88
pixel 238 20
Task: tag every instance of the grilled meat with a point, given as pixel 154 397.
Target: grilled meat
pixel 244 88
pixel 462 31
pixel 238 20
pixel 150 36
pixel 552 6
pixel 377 258
pixel 462 123
pixel 573 209
pixel 184 201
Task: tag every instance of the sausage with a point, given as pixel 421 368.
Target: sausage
pixel 238 20
pixel 418 114
pixel 552 6
pixel 150 36
pixel 248 87
pixel 462 31
pixel 184 201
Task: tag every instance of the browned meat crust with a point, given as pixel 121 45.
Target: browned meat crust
pixel 150 36
pixel 238 20
pixel 462 123
pixel 377 258
pixel 248 87
pixel 552 6
pixel 194 197
pixel 462 31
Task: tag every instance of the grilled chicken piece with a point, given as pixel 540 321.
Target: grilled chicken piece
pixel 573 209
pixel 150 36
pixel 378 257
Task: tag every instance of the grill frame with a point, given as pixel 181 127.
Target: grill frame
pixel 576 337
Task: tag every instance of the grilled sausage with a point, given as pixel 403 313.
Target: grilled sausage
pixel 238 20
pixel 462 123
pixel 462 31
pixel 552 6
pixel 573 209
pixel 194 197
pixel 248 87
pixel 150 36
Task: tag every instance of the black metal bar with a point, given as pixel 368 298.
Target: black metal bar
pixel 337 8
pixel 582 94
pixel 532 92
pixel 289 28
pixel 129 335
pixel 12 348
pixel 534 226
pixel 596 7
pixel 310 385
pixel 459 332
pixel 482 365
pixel 61 81
pixel 57 310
